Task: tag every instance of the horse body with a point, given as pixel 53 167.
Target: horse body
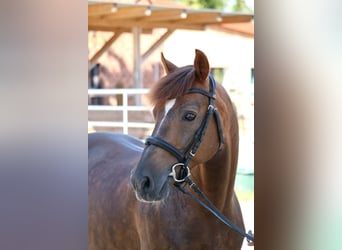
pixel 118 221
pixel 179 226
pixel 132 202
pixel 111 200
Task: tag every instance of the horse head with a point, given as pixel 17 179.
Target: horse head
pixel 185 108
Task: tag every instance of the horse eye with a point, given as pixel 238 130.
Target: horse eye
pixel 189 116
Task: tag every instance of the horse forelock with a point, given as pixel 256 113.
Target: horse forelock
pixel 173 85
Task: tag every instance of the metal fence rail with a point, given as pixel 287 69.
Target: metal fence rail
pixel 125 124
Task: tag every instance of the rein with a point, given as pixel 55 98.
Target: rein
pixel 184 176
pixel 207 204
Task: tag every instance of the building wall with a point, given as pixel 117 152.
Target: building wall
pixel 117 63
pixel 233 52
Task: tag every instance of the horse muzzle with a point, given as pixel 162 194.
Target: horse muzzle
pixel 147 189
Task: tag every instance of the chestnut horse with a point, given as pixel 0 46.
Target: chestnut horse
pixel 132 202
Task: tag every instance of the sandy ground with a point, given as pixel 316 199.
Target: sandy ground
pixel 247 208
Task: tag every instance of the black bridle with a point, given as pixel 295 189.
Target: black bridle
pixel 185 157
pixel 190 151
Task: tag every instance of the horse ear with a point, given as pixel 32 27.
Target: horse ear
pixel 201 65
pixel 168 66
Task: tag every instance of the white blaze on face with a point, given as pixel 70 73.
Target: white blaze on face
pixel 169 106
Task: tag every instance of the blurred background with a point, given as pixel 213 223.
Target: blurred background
pixel 44 118
pixel 125 40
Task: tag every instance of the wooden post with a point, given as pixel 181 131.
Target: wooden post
pixel 137 74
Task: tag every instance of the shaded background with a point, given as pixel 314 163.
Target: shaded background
pixel 43 128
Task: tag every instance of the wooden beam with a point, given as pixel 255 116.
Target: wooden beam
pixel 237 19
pixel 211 18
pixel 162 15
pixel 125 13
pixel 106 25
pixel 199 17
pixel 116 29
pixel 104 48
pixel 127 30
pixel 99 9
pixel 156 44
pixel 105 28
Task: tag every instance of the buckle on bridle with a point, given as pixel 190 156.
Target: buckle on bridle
pixel 185 174
pixel 210 106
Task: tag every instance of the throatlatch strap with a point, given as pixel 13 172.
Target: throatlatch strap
pixel 219 128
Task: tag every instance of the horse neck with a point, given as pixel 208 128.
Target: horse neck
pixel 217 176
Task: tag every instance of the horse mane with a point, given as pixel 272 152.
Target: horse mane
pixel 173 85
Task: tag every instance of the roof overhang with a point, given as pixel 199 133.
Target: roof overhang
pixel 116 15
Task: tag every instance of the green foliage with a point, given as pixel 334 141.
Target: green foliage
pixel 233 5
pixel 240 6
pixel 206 4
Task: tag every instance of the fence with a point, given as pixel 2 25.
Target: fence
pixel 125 108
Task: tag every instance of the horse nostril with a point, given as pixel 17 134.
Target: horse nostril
pixel 146 184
